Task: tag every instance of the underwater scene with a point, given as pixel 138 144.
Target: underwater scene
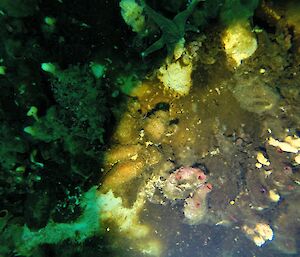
pixel 145 128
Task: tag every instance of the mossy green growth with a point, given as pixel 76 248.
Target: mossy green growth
pixel 209 10
pixel 18 8
pixel 128 83
pixel 87 225
pixel 2 70
pixel 79 117
pixel 229 11
pixel 11 147
pixel 48 128
pixel 82 98
pixel 98 70
pixel 235 10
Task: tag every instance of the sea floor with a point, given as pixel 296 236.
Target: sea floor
pixel 226 126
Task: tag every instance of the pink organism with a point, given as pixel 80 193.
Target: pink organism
pixel 182 182
pixel 195 205
pixel 189 174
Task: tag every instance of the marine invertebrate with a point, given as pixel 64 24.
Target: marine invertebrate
pixel 239 41
pixel 132 14
pixel 260 233
pixel 182 182
pixel 176 76
pixel 291 145
pixel 172 30
pixel 128 221
pixel 255 95
pixel 156 126
pixel 188 184
pixel 195 205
